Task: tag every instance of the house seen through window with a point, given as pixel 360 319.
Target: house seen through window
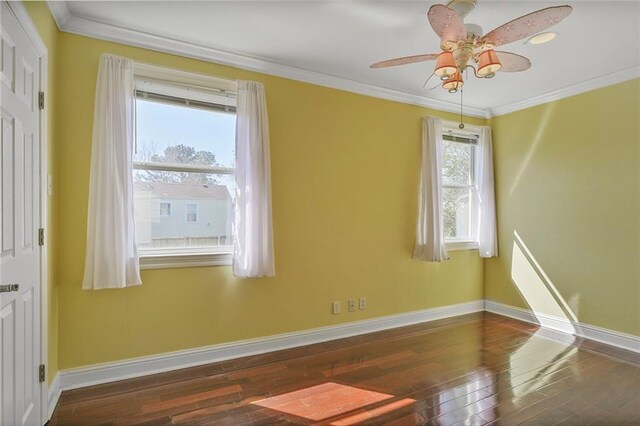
pixel 459 186
pixel 183 169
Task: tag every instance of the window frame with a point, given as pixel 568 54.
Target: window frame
pixel 201 89
pixel 187 212
pixel 453 244
pixel 161 203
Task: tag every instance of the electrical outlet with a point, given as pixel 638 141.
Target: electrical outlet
pixel 352 305
pixel 363 303
pixel 336 307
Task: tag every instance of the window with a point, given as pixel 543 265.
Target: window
pixel 192 212
pixel 459 187
pixel 165 209
pixel 183 172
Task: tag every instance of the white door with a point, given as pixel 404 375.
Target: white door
pixel 20 210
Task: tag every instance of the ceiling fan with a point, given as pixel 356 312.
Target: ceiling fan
pixel 462 44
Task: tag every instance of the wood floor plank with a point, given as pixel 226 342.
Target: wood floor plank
pixel 474 369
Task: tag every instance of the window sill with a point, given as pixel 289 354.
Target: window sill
pixel 461 245
pixel 184 260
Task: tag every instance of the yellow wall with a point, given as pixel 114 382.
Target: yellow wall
pixel 345 171
pixel 568 182
pixel 43 21
pixel 344 175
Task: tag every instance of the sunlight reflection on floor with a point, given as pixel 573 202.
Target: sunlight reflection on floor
pixel 526 375
pixel 461 402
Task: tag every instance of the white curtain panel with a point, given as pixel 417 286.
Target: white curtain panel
pixel 252 230
pixel 487 234
pixel 112 258
pixel 429 245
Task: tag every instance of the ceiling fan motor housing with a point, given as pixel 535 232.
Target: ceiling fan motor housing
pixel 473 30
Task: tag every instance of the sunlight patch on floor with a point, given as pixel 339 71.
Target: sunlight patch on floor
pixel 364 415
pixel 327 400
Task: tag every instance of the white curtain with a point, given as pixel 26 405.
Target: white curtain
pixel 429 245
pixel 252 231
pixel 487 232
pixel 111 257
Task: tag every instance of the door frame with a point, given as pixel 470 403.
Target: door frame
pixel 24 19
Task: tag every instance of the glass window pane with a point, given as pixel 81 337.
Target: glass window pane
pixel 456 163
pixel 192 212
pixel 165 209
pixel 167 133
pixel 457 213
pixel 199 208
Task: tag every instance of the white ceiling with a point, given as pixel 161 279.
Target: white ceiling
pixel 342 38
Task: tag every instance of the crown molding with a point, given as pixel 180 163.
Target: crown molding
pixel 110 32
pixel 60 12
pixel 24 19
pixel 565 92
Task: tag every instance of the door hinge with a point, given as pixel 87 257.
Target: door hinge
pixel 41 236
pixel 41 372
pixel 41 100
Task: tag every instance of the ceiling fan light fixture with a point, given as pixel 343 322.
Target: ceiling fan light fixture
pixel 454 83
pixel 445 66
pixel 462 43
pixel 542 38
pixel 488 64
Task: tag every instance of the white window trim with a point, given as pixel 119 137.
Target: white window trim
pixel 160 209
pixel 191 258
pixel 452 245
pixel 458 244
pixel 172 75
pixel 186 216
pixel 195 257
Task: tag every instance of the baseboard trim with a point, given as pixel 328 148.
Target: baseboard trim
pixel 142 366
pixel 579 329
pixel 53 393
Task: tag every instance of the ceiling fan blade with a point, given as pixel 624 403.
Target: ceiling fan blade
pixel 446 23
pixel 527 25
pixel 405 60
pixel 512 62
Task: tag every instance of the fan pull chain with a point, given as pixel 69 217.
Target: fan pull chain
pixel 461 125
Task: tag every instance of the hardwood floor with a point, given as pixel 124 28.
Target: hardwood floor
pixel 473 369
